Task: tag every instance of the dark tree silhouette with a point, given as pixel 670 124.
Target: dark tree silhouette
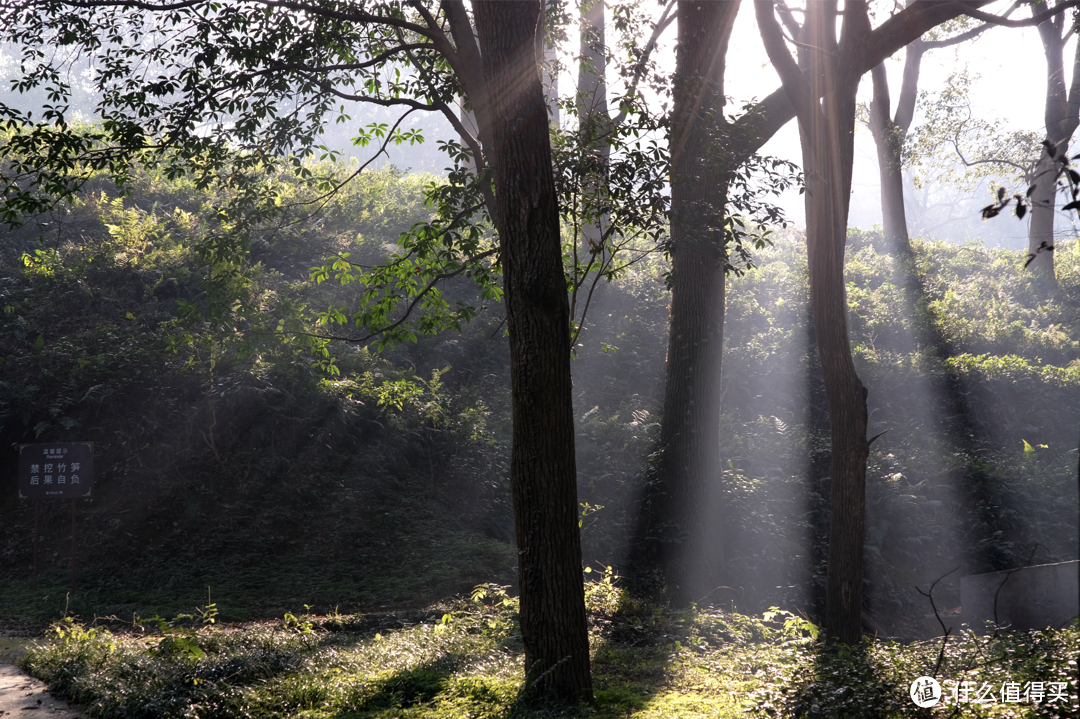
pixel 689 507
pixel 889 134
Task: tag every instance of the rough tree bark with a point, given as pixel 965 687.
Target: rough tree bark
pixel 827 131
pixel 689 504
pixel 543 473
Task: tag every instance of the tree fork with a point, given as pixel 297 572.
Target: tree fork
pixel 827 130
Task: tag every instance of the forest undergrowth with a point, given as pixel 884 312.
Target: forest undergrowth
pixel 228 457
pixel 462 658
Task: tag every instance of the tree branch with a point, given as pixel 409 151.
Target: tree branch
pixel 337 186
pixel 638 71
pixel 412 305
pixel 471 74
pixel 794 82
pixel 1037 19
pixel 777 109
pixel 353 15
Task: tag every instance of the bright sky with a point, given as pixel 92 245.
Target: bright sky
pixel 1012 88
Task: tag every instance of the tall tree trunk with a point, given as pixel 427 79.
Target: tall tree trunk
pixel 827 158
pixel 592 109
pixel 827 130
pixel 547 57
pixel 889 140
pixel 1062 116
pixel 592 67
pixel 543 474
pixel 889 135
pixel 1043 208
pixel 689 504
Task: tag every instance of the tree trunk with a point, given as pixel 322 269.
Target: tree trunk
pixel 689 508
pixel 592 85
pixel 547 56
pixel 828 153
pixel 827 130
pixel 543 474
pixel 889 140
pixel 1043 207
pixel 592 108
pixel 1062 116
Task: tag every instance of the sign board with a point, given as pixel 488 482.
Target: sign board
pixel 58 470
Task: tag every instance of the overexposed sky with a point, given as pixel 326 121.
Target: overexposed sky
pixel 1011 88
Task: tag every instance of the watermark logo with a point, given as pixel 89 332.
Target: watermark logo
pixel 925 692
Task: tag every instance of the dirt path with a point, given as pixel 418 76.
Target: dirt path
pixel 24 696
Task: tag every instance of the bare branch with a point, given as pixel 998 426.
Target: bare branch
pixel 1036 19
pixel 930 595
pixel 639 67
pixel 790 75
pixel 352 176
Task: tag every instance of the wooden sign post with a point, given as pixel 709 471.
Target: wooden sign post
pixel 57 470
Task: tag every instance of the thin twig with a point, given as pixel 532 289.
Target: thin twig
pixel 1026 564
pixel 945 638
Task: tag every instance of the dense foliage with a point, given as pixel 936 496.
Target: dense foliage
pixel 229 456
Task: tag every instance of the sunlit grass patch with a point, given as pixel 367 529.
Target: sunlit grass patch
pixel 459 659
pixel 298 667
pixel 463 658
pixel 874 680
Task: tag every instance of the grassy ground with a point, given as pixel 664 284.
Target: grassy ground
pixel 13 648
pixel 461 658
pixel 353 542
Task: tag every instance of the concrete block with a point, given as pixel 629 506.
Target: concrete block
pixel 1045 595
